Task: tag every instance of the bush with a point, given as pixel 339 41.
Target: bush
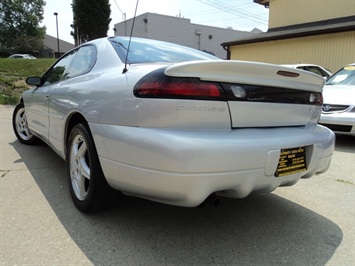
pixel 4 53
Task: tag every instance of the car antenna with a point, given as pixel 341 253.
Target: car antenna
pixel 130 37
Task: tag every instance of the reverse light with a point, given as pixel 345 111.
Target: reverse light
pixel 316 98
pixel 157 85
pixel 239 92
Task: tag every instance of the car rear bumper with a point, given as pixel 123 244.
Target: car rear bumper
pixel 183 168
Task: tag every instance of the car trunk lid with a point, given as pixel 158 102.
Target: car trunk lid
pixel 258 94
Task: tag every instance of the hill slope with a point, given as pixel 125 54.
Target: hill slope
pixel 13 74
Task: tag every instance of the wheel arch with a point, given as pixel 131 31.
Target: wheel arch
pixel 21 101
pixel 74 119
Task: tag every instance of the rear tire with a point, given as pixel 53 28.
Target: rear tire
pixel 88 187
pixel 20 126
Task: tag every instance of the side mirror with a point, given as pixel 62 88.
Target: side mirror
pixel 36 81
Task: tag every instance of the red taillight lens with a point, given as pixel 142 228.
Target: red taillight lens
pixel 158 85
pixel 178 88
pixel 319 99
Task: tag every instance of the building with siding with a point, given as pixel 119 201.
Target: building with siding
pixel 312 31
pixel 181 31
pixel 51 47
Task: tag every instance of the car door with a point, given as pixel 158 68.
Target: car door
pixel 66 95
pixel 37 102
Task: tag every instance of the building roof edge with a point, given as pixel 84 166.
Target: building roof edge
pixel 300 30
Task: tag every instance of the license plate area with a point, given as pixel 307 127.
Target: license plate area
pixel 292 160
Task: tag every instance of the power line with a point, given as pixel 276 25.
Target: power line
pixel 232 10
pixel 123 14
pixel 118 7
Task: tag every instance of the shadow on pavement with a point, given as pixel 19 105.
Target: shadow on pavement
pixel 261 229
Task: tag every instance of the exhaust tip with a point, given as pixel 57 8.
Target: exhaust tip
pixel 216 202
pixel 211 200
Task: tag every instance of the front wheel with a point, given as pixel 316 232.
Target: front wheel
pixel 88 186
pixel 20 126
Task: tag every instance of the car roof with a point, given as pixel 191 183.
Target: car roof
pixel 296 65
pixel 21 55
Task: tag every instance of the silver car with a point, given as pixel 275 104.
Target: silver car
pixel 316 69
pixel 22 56
pixel 172 124
pixel 339 102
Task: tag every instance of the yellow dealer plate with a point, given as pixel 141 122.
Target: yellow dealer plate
pixel 349 68
pixel 291 161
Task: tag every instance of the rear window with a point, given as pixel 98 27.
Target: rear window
pixel 151 51
pixel 345 76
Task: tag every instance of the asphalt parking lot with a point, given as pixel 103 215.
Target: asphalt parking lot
pixel 310 223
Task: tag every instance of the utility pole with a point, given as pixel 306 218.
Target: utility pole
pixel 56 18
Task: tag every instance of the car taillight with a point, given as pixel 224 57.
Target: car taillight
pixel 316 98
pixel 157 85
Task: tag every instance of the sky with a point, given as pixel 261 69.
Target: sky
pixel 244 15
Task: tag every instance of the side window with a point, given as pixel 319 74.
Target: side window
pixel 83 62
pixel 316 70
pixel 56 73
pixel 302 67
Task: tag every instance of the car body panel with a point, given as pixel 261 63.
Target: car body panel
pixel 37 100
pixel 287 115
pixel 339 94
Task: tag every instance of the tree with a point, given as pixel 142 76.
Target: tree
pixel 27 44
pixel 19 20
pixel 91 19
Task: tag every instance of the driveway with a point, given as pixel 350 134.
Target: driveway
pixel 310 223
